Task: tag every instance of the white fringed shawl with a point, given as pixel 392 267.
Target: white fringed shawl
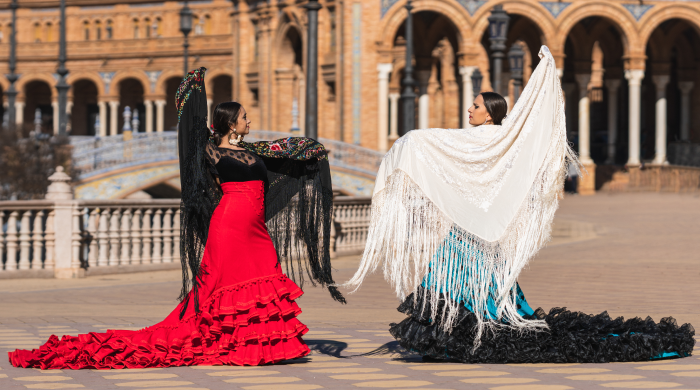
pixel 497 186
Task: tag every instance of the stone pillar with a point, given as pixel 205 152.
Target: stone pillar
pixel 19 113
pixel 64 226
pixel 160 117
pixel 686 87
pixel 210 103
pixel 102 131
pixel 149 115
pixel 569 89
pixel 423 99
pixel 467 92
pixel 113 117
pixel 54 106
pixel 586 183
pixel 661 81
pixel 394 122
pixel 383 92
pixel 612 86
pixel 634 79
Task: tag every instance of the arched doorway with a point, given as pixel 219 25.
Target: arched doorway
pixel 38 97
pixel 170 111
pixel 131 93
pixel 669 89
pixel 289 81
pixel 222 90
pixel 436 71
pixel 85 112
pixel 594 76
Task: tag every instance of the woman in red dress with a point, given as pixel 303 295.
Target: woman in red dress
pixel 238 306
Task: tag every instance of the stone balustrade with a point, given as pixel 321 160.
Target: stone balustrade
pixel 66 238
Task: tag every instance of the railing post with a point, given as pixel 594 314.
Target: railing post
pixel 176 236
pixel 65 240
pixel 93 248
pixel 136 236
pixel 146 235
pixel 37 240
pixel 50 263
pixel 114 238
pixel 24 239
pixel 168 236
pixel 157 235
pixel 11 263
pixel 103 239
pixel 125 239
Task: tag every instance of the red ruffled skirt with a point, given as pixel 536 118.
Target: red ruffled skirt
pixel 247 310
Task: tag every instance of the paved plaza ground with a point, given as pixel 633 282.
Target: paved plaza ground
pixel 629 254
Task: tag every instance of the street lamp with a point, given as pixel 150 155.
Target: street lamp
pixel 62 86
pixel 185 29
pixel 498 32
pixel 312 71
pixel 12 76
pixel 408 97
pixel 477 78
pixel 515 59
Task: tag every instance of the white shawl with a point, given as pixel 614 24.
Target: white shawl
pixel 498 186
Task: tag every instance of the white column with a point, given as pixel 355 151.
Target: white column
pixel 569 89
pixel 661 81
pixel 612 86
pixel 209 113
pixel 103 119
pixel 467 92
pixel 113 117
pixel 423 99
pixel 394 122
pixel 54 105
pixel 686 87
pixel 383 92
pixel 19 113
pixel 160 105
pixel 634 80
pixel 584 119
pixel 149 115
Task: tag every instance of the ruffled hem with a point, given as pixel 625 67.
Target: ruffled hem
pixel 250 323
pixel 572 337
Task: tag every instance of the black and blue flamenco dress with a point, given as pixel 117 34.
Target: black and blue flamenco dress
pixel 571 337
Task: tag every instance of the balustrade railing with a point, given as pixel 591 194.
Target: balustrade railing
pixel 684 154
pixel 105 236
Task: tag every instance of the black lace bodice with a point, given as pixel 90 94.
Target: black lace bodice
pixel 235 165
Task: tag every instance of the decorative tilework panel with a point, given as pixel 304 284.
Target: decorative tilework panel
pixel 637 10
pixel 555 8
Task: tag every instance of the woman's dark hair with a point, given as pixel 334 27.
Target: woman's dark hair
pixel 225 114
pixel 496 106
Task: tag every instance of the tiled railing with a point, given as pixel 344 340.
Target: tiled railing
pixel 72 236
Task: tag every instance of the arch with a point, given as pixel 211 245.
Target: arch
pixel 396 16
pixel 615 13
pixel 74 77
pixel 283 35
pixel 85 107
pixel 127 74
pixel 535 13
pixel 655 17
pixel 160 87
pixel 214 73
pixel 28 78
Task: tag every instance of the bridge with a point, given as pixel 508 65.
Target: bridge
pixel 146 164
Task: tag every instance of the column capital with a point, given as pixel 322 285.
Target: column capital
pixel 583 79
pixel 634 76
pixel 113 103
pixel 612 84
pixel 384 70
pixel 661 81
pixel 467 71
pixel 686 86
pixel 394 95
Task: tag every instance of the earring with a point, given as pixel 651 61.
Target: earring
pixel 235 142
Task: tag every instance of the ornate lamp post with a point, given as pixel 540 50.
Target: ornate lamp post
pixel 312 71
pixel 477 78
pixel 515 59
pixel 185 29
pixel 498 32
pixel 62 87
pixel 408 96
pixel 12 76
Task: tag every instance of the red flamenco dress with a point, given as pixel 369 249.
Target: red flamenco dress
pixel 240 309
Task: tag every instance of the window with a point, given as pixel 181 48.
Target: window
pixel 98 30
pixel 156 28
pixel 137 34
pixel 147 27
pixel 37 32
pixel 108 29
pixel 333 30
pixel 49 32
pixel 207 25
pixel 86 30
pixel 199 26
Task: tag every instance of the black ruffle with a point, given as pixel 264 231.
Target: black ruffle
pixel 572 337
